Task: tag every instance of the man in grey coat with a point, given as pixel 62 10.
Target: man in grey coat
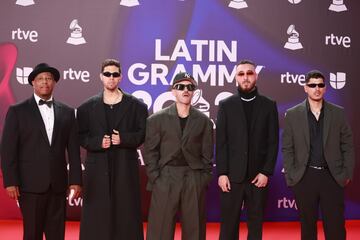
pixel 318 159
pixel 177 152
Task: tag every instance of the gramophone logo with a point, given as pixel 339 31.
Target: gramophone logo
pixel 22 74
pixel 337 6
pixel 129 3
pixel 25 3
pixel 200 103
pixel 238 4
pixel 76 37
pixel 338 80
pixel 294 1
pixel 293 42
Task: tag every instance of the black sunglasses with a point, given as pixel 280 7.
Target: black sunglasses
pixel 248 73
pixel 313 85
pixel 181 87
pixel 114 74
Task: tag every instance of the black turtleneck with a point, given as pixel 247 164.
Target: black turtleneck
pixel 248 100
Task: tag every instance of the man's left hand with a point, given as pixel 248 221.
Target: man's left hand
pixel 260 180
pixel 115 137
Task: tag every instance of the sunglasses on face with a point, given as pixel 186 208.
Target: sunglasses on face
pixel 313 85
pixel 181 87
pixel 109 74
pixel 248 73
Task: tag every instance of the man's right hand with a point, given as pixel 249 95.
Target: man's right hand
pixel 106 142
pixel 224 183
pixel 13 192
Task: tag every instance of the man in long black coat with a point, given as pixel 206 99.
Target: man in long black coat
pixel 111 126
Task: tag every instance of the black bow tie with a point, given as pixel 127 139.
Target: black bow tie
pixel 48 103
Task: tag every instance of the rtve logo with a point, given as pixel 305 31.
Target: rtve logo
pixel 19 34
pixel 293 78
pixel 22 74
pixel 72 74
pixel 337 40
pixel 287 203
pixel 337 80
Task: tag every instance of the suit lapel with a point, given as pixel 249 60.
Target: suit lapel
pixel 38 119
pixel 327 121
pixel 190 123
pixel 57 120
pixel 120 114
pixel 174 118
pixel 240 113
pixel 304 123
pixel 255 113
pixel 99 111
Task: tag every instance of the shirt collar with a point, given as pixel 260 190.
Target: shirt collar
pixel 37 98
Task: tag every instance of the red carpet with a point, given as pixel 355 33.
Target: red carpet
pixel 12 230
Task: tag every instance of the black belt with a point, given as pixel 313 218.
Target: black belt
pixel 318 167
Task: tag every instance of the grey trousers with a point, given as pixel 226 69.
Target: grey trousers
pixel 183 190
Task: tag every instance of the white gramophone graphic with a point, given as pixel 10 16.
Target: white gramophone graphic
pixel 76 37
pixel 25 3
pixel 293 41
pixel 200 103
pixel 238 4
pixel 337 6
pixel 129 3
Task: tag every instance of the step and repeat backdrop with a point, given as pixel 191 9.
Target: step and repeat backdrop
pixel 155 39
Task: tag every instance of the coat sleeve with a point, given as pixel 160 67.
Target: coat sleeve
pixel 87 141
pixel 272 142
pixel 221 142
pixel 136 138
pixel 152 149
pixel 73 150
pixel 347 147
pixel 208 145
pixel 9 149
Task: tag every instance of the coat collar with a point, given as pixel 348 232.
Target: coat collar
pixel 190 123
pixel 304 123
pixel 40 122
pixel 99 109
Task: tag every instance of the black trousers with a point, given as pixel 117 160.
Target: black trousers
pixel 43 213
pixel 317 189
pixel 178 189
pixel 254 200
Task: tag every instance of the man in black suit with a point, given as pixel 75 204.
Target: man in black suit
pixel 246 153
pixel 178 153
pixel 318 157
pixel 37 134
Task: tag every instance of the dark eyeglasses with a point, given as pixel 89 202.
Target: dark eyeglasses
pixel 181 87
pixel 114 74
pixel 313 85
pixel 248 73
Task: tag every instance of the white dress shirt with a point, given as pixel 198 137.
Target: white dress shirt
pixel 48 116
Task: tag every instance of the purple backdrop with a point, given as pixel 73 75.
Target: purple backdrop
pixel 155 39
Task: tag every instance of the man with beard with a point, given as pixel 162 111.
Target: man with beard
pixel 111 127
pixel 318 155
pixel 246 152
pixel 178 151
